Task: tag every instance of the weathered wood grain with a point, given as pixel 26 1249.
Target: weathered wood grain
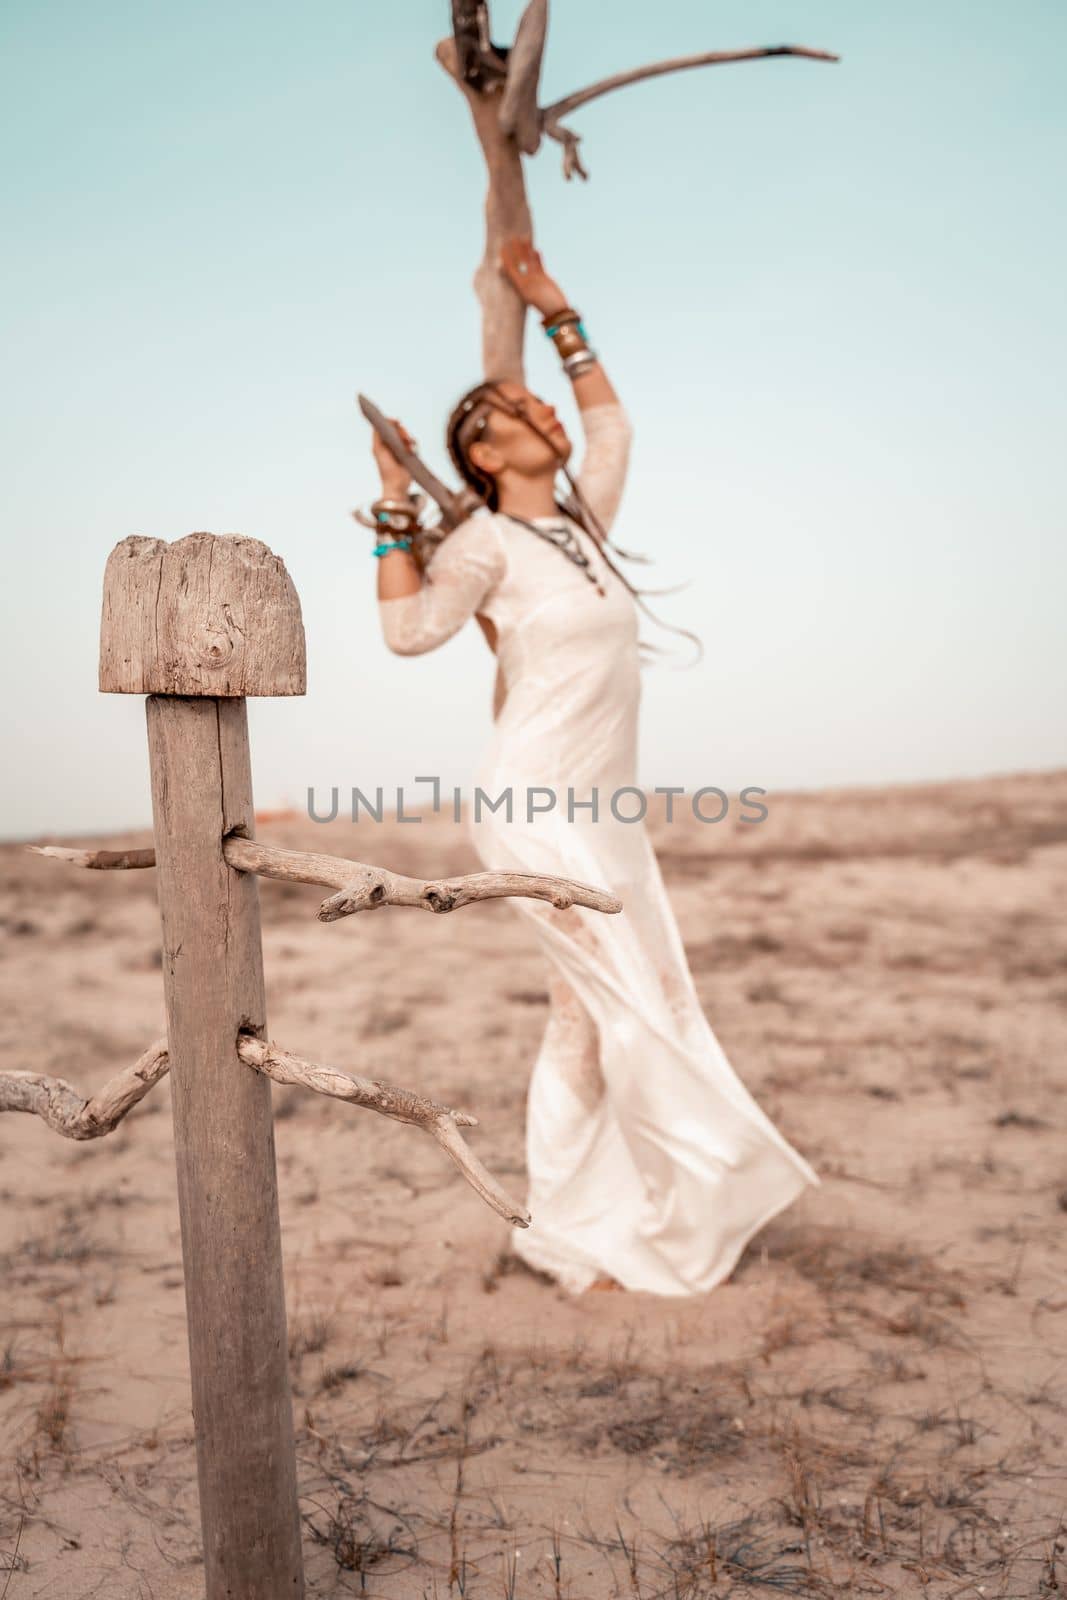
pixel 224 1147
pixel 206 615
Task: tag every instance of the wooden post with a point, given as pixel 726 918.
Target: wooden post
pixel 197 625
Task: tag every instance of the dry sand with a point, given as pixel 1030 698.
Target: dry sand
pixel 874 1404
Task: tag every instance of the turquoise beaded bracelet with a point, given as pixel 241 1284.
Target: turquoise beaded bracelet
pixel 393 544
pixel 550 333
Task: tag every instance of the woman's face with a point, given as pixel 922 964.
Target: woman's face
pixel 509 444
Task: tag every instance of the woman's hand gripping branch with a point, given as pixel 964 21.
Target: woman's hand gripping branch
pixel 524 269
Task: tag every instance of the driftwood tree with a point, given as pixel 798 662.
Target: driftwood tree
pixel 501 85
pixel 197 626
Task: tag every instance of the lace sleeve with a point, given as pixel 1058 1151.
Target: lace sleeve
pixel 608 433
pixel 464 568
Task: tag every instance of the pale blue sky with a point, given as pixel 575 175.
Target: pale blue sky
pixel 831 298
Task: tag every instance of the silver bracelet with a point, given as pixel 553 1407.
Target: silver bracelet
pixel 388 512
pixel 574 365
pixel 384 503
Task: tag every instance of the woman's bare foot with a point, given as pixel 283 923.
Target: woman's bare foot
pixel 605 1283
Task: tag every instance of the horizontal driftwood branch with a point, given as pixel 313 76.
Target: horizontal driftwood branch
pixel 441 1122
pixel 67 1112
pixel 361 887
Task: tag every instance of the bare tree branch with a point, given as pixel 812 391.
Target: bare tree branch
pixel 551 115
pixel 705 58
pixel 441 1122
pixel 67 1112
pixel 571 142
pixel 518 114
pixel 365 888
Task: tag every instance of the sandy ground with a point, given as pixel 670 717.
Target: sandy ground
pixel 874 1404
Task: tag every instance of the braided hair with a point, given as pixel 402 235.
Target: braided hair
pixel 458 440
pixel 466 406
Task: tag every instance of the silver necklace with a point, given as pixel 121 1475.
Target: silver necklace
pixel 563 538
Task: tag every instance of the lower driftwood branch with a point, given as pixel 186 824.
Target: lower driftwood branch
pixel 441 1122
pixel 69 1113
pixel 361 887
pixel 66 1111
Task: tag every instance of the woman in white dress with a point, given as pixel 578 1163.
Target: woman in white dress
pixel 649 1164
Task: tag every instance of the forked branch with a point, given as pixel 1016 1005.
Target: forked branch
pixel 552 115
pixel 66 1111
pixel 441 1122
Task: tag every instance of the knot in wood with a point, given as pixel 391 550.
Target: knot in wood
pixel 214 649
pixel 439 900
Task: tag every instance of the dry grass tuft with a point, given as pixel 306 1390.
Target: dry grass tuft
pixel 837 1261
pixel 345 1526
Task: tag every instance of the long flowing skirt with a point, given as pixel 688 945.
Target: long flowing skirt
pixel 647 1158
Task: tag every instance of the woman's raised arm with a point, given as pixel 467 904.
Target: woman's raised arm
pixel 606 426
pixel 525 270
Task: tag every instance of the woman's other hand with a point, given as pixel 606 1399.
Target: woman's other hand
pixel 524 269
pixel 396 480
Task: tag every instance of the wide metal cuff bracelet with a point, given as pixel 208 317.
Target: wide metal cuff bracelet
pixel 580 361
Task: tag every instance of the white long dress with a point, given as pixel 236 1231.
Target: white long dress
pixel 647 1158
